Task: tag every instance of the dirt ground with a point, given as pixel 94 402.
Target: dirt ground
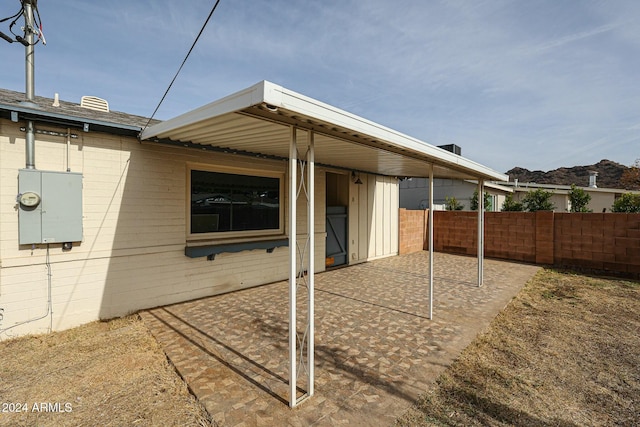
pixel 565 352
pixel 100 374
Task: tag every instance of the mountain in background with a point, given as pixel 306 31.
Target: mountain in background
pixel 609 174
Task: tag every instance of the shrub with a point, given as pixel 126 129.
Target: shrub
pixel 538 200
pixel 579 199
pixel 487 201
pixel 627 203
pixel 453 204
pixel 511 205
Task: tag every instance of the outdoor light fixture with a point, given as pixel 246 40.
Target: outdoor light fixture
pixel 271 108
pixel 356 178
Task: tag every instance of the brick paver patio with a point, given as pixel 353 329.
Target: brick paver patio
pixel 376 350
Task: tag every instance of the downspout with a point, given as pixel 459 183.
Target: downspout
pixel 30 140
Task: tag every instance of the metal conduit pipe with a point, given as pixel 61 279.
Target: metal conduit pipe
pixel 30 146
pixel 30 140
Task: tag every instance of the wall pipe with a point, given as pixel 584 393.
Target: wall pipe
pixel 30 140
pixel 68 149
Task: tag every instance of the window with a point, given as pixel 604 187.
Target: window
pixel 235 204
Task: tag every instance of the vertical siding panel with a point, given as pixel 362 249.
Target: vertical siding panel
pixel 354 216
pixel 321 223
pixel 379 209
pixel 364 223
pixel 395 220
pixel 386 223
pixel 371 210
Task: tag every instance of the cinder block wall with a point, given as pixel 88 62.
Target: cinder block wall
pixel 600 241
pixel 455 232
pixel 603 241
pixel 413 229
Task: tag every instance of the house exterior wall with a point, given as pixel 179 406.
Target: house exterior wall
pixel 373 218
pixel 414 193
pixel 134 232
pixel 132 254
pixel 601 202
pixel 372 211
pixel 559 200
pixel 602 199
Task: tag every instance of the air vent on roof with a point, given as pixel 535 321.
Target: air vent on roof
pixel 94 103
pixel 455 149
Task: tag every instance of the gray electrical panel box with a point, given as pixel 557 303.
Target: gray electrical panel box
pixel 49 206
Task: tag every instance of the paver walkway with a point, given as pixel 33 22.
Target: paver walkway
pixel 376 350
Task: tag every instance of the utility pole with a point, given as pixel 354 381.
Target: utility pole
pixel 29 50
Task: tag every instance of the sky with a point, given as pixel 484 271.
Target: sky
pixel 536 84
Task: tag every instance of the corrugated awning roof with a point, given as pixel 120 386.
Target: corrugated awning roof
pixel 257 121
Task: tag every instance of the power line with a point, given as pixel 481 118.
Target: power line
pixel 183 62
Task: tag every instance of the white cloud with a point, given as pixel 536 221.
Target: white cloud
pixel 534 84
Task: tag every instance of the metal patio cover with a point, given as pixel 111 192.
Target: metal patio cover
pixel 267 120
pixel 257 120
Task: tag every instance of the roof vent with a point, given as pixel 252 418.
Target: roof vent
pixel 94 103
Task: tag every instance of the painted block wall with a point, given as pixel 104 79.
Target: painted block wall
pixel 134 225
pixel 132 255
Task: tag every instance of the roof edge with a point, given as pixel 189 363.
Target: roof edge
pixel 277 96
pixel 253 95
pixel 27 113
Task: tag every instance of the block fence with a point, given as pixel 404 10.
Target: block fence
pixel 601 241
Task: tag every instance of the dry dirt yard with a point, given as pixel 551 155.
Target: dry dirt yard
pixel 565 352
pixel 101 374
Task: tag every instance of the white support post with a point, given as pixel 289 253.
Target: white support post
pixel 293 173
pixel 480 231
pixel 430 227
pixel 299 250
pixel 311 217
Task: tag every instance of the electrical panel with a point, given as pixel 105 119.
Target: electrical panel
pixel 49 206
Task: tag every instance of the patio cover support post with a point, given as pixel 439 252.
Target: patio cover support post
pixel 430 228
pixel 311 218
pixel 301 361
pixel 293 174
pixel 480 232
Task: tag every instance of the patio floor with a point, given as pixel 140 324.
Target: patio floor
pixel 376 349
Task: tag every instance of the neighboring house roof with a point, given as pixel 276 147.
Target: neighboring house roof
pixel 561 189
pixel 69 114
pixel 258 120
pixel 493 185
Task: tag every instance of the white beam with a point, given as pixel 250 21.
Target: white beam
pixel 480 231
pixel 311 217
pixel 293 173
pixel 430 227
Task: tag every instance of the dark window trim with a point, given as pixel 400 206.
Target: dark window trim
pixel 246 235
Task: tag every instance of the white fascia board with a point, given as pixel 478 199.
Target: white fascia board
pixel 229 104
pixel 292 101
pixel 277 96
